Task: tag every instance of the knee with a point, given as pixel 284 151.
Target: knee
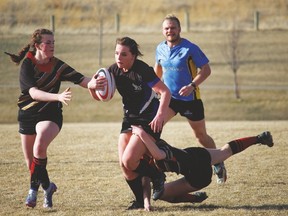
pixel 128 163
pixel 40 151
pixel 128 174
pixel 202 138
pixel 205 140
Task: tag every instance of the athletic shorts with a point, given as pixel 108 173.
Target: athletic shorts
pixel 199 174
pixel 193 110
pixel 28 120
pixel 136 120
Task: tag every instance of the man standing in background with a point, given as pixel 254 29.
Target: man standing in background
pixel 183 67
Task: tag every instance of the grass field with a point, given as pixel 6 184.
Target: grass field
pixel 83 162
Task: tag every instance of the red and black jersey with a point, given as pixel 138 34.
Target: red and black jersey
pixel 47 78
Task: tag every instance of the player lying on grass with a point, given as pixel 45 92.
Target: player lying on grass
pixel 195 163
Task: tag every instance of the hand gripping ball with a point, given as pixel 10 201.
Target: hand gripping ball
pixel 108 92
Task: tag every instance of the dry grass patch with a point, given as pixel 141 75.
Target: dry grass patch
pixel 83 162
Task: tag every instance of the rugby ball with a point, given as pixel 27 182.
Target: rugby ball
pixel 108 92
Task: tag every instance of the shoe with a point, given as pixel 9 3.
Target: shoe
pixel 31 198
pixel 199 197
pixel 48 195
pixel 265 138
pixel 158 186
pixel 221 173
pixel 136 205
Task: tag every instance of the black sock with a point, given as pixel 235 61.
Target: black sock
pixel 241 144
pixel 137 188
pixel 40 173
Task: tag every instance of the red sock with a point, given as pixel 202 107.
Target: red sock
pixel 241 144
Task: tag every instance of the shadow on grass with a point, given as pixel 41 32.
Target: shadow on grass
pixel 278 207
pixel 207 208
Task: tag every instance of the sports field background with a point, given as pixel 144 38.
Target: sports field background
pixel 263 77
pixel 83 161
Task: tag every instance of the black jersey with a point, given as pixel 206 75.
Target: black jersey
pixel 135 87
pixel 194 163
pixel 46 78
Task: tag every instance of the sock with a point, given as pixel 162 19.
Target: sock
pixel 241 144
pixel 137 188
pixel 34 179
pixel 39 173
pixel 218 164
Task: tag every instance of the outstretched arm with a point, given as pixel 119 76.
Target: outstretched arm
pixel 156 153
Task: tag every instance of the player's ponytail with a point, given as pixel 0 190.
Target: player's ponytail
pixel 18 58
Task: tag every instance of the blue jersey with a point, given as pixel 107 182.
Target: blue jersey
pixel 179 65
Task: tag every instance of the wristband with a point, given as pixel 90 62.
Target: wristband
pixel 193 84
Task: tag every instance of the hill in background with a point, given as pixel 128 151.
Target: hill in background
pixel 140 16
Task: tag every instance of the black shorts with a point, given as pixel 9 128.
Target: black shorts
pixel 144 122
pixel 193 110
pixel 199 174
pixel 28 120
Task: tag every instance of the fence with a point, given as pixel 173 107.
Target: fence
pixel 117 23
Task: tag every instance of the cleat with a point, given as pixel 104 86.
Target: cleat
pixel 199 197
pixel 136 205
pixel 221 173
pixel 48 195
pixel 158 186
pixel 31 198
pixel 265 138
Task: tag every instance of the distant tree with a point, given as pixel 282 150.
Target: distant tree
pixel 233 55
pixel 104 9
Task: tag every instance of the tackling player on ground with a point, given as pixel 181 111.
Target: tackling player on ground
pixel 194 163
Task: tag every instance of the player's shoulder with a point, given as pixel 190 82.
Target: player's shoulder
pixel 186 42
pixel 140 63
pixel 162 44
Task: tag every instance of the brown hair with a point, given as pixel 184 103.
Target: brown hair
pixel 129 42
pixel 36 39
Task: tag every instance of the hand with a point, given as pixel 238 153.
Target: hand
pixel 186 90
pixel 147 206
pixel 136 130
pixel 97 83
pixel 65 96
pixel 157 123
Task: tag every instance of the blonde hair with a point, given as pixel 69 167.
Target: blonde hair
pixel 173 18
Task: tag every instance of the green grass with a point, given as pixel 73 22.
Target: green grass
pixel 83 162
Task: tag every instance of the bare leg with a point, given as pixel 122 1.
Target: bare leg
pixel 27 142
pixel 219 155
pixel 177 190
pixel 169 115
pixel 133 153
pixel 239 145
pixel 46 132
pixel 199 128
pixel 122 144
